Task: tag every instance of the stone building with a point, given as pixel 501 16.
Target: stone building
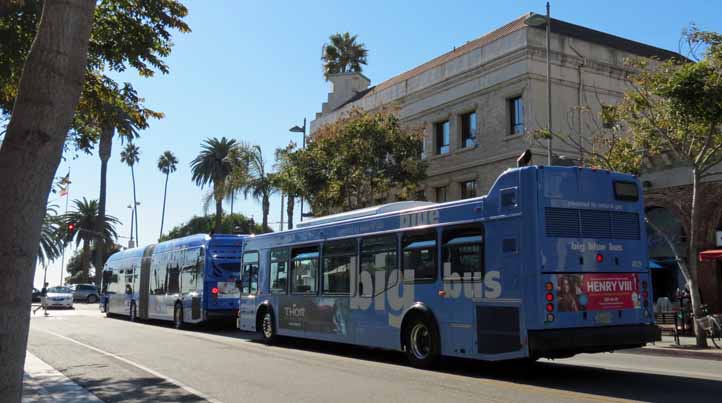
pixel 478 103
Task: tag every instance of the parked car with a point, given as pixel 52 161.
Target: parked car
pixel 60 297
pixel 86 292
pixel 36 295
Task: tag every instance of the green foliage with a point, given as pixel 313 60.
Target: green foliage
pixel 217 159
pixel 232 223
pixel 251 177
pixel 74 266
pixel 84 216
pixel 343 54
pixel 130 154
pixel 167 163
pixel 51 245
pixel 356 161
pixel 126 33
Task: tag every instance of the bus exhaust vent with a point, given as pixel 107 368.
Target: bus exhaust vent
pixel 596 224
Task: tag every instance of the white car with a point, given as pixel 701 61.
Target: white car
pixel 59 297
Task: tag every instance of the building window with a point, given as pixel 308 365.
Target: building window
pixel 468 130
pixel 516 116
pixel 440 194
pixel 442 131
pixel 468 189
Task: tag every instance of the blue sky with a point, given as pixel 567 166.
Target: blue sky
pixel 251 70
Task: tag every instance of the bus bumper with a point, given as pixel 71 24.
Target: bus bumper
pixel 559 343
pixel 222 314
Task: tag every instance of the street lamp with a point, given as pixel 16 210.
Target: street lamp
pixel 537 20
pixel 302 130
pixel 132 215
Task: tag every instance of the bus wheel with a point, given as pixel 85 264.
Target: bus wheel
pixel 133 312
pixel 422 343
pixel 178 317
pixel 267 328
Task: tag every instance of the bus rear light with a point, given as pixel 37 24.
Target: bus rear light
pixel 549 297
pixel 550 307
pixel 548 286
pixel 550 317
pixel 600 258
pixel 214 291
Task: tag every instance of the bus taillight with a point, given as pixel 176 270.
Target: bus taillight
pixel 549 297
pixel 550 307
pixel 214 291
pixel 548 286
pixel 600 258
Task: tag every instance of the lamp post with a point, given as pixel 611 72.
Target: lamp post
pixel 132 216
pixel 537 20
pixel 297 129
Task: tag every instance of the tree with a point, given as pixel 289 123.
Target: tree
pixel 51 245
pixel 231 223
pixel 74 267
pixel 357 161
pixel 286 179
pixel 167 165
pixel 217 159
pixel 343 54
pixel 675 107
pixel 253 178
pixel 130 156
pixel 47 94
pixel 84 218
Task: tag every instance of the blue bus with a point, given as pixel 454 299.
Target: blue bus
pixel 550 263
pixel 187 280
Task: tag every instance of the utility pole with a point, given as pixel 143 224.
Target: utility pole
pixel 549 89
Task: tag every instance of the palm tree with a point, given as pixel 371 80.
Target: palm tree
pixel 343 54
pixel 167 165
pixel 217 159
pixel 130 155
pixel 285 179
pixel 84 218
pixel 50 247
pixel 255 181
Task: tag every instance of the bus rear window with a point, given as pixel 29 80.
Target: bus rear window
pixel 626 191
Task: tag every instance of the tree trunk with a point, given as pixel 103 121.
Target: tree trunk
pixel 135 207
pixel 85 262
pixel 266 206
pixel 692 262
pixel 162 215
pixel 289 210
pixel 218 194
pixel 48 94
pixel 105 148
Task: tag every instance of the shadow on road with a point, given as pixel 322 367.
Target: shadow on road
pixel 145 389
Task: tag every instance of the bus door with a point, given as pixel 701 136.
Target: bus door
pixel 144 287
pixel 249 288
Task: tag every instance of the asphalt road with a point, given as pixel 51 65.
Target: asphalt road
pixel 122 361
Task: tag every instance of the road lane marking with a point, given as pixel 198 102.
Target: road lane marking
pixel 139 366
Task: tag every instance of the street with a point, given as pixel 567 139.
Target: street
pixel 118 360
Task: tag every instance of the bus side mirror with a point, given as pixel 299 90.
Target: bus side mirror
pixel 239 284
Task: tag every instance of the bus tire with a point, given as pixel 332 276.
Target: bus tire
pixel 133 312
pixel 178 317
pixel 266 325
pixel 422 342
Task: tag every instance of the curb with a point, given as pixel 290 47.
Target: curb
pixel 43 383
pixel 674 352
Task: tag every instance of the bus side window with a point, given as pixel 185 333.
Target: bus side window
pixel 249 274
pixel 279 271
pixel 419 254
pixel 378 259
pixel 174 279
pixel 463 252
pixel 339 259
pixel 305 270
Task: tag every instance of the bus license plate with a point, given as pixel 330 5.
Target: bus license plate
pixel 603 318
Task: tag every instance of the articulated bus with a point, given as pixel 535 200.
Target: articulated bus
pixel 551 263
pixel 187 280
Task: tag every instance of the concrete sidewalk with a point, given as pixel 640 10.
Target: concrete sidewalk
pixel 43 383
pixel 685 349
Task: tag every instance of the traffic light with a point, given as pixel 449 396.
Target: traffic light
pixel 71 228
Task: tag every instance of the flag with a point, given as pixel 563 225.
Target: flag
pixel 64 184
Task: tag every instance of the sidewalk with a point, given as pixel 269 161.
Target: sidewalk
pixel 43 383
pixel 685 349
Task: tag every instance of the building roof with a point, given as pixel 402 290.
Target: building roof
pixel 557 27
